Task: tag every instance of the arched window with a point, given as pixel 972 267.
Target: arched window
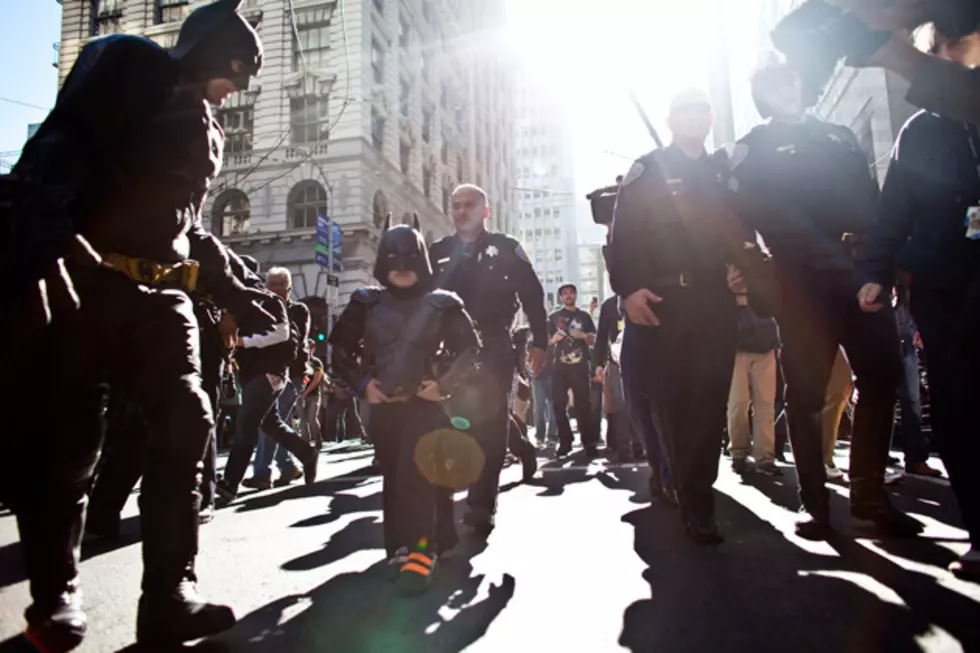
pixel 380 209
pixel 230 213
pixel 307 200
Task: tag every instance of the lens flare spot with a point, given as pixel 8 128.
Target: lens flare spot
pixel 449 458
pixel 460 423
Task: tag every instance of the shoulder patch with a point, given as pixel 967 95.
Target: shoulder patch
pixel 738 155
pixel 636 171
pixel 366 296
pixel 443 299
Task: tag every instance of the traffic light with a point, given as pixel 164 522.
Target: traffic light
pixel 320 337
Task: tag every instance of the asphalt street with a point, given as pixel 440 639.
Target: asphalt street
pixel 581 561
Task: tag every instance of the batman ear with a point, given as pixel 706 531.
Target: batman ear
pixel 416 224
pixel 387 224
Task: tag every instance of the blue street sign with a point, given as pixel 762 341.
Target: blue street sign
pixel 328 237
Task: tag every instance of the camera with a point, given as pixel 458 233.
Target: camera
pixel 602 202
pixel 817 35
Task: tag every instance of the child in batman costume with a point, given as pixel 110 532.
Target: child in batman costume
pixel 385 345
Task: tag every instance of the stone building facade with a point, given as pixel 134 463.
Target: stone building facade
pixel 362 107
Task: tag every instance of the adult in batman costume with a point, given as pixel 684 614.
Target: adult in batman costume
pixel 102 238
pixel 385 345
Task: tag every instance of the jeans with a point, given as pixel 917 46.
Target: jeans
pixel 545 427
pixel 915 445
pixel 268 449
pixel 639 402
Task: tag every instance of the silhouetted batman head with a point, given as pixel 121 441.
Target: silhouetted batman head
pixel 402 248
pixel 211 38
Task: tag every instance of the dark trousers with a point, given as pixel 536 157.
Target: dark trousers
pixel 636 358
pixel 575 378
pixel 418 514
pixel 821 313
pixel 341 421
pixel 914 442
pixel 124 454
pixel 691 359
pixel 953 366
pixel 258 410
pixel 147 340
pixel 492 426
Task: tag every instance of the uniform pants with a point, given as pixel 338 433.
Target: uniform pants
pixel 636 359
pixel 753 382
pixel 914 442
pixel 949 334
pixel 689 377
pixel 146 339
pixel 415 510
pixel 820 313
pixel 575 378
pixel 493 430
pixel 840 387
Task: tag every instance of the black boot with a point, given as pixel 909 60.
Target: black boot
pixel 51 541
pixel 703 529
pixel 170 610
pixel 870 502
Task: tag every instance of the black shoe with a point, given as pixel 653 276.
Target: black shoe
pixel 740 465
pixel 563 450
pixel 310 465
pixel 206 514
pixel 768 467
pixel 638 453
pixel 256 483
pixel 591 451
pixel 60 628
pixel 703 530
pixel 481 521
pixel 967 567
pixel 180 616
pixel 888 518
pixel 288 476
pixel 529 462
pixel 813 527
pixel 225 494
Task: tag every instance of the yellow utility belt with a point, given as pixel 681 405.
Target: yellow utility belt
pixel 151 273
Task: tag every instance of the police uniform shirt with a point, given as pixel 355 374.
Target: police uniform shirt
pixel 491 275
pixel 803 186
pixel 923 221
pixel 674 214
pixel 571 351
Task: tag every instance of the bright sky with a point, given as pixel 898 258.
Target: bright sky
pixel 27 30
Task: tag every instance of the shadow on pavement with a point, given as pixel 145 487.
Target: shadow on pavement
pixel 761 590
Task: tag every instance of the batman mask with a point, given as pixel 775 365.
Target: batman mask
pixel 402 248
pixel 211 38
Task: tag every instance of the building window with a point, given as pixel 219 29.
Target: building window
pixel 380 211
pixel 427 123
pixel 238 121
pixel 313 27
pixel 106 16
pixel 230 215
pixel 427 181
pixel 557 254
pixel 306 201
pixel 377 129
pixel 377 62
pixel 172 11
pixel 308 119
pixel 444 151
pixel 446 195
pixel 404 96
pixel 403 28
pixel 404 157
pixel 459 169
pixel 379 5
pixel 557 213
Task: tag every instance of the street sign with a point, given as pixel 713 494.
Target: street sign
pixel 329 243
pixel 333 295
pixel 333 281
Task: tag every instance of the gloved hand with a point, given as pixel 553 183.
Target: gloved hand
pixel 257 311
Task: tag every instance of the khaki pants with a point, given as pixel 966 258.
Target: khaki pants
pixel 754 381
pixel 839 390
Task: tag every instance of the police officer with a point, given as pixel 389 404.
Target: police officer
pixel 804 184
pixel 136 200
pixel 674 235
pixel 929 210
pixel 490 272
